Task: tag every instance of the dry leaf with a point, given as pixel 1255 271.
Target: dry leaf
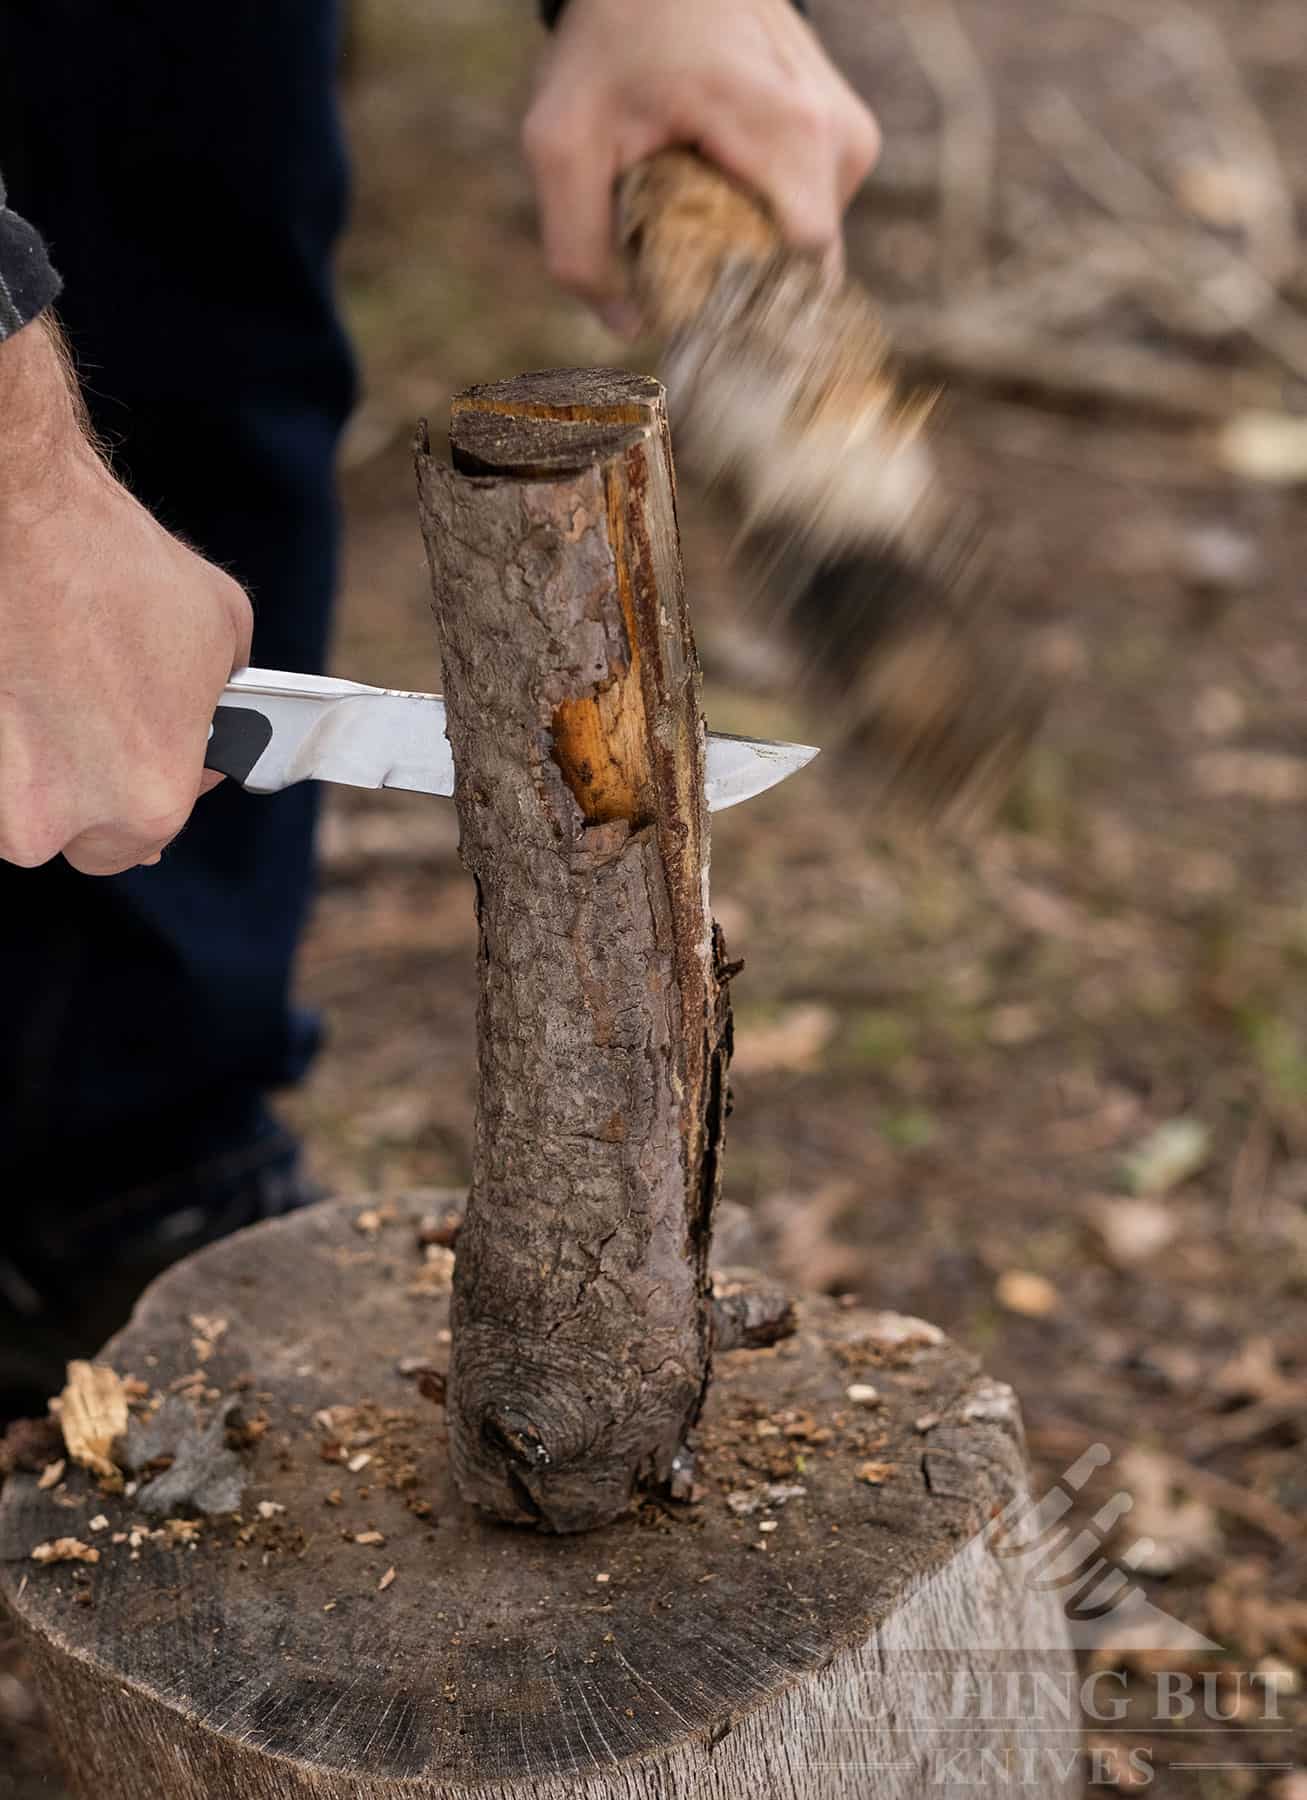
pixel 1168 1156
pixel 93 1415
pixel 1133 1230
pixel 63 1550
pixel 1271 776
pixel 1253 1374
pixel 1165 1530
pixel 1265 446
pixel 1022 1291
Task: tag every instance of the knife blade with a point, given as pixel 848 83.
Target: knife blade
pixel 273 728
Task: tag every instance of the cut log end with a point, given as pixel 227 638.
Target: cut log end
pixel 806 1615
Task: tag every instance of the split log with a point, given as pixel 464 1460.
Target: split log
pixel 581 1309
pixel 829 1619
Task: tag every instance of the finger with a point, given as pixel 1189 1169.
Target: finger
pixel 101 852
pixel 244 635
pixel 111 849
pixel 574 191
pixel 862 141
pixel 794 171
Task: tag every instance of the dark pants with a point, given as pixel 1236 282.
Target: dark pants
pixel 184 163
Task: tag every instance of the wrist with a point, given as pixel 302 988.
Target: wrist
pixel 42 433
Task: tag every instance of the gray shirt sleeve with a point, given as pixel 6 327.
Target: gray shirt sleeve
pixel 27 282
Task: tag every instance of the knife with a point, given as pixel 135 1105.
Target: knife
pixel 273 729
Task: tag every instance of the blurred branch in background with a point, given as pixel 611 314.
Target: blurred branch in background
pixel 1127 261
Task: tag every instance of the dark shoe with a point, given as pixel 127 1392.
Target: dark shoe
pixel 69 1287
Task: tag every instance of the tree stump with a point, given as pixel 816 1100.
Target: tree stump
pixel 685 1650
pixel 782 1581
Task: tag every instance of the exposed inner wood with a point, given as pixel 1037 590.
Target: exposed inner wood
pixel 582 1312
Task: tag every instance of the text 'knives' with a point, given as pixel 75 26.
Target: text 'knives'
pixel 274 729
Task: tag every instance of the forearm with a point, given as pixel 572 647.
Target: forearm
pixel 41 422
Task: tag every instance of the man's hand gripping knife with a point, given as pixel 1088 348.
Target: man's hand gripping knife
pixel 117 639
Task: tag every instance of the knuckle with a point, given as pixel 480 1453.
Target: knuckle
pixel 545 140
pixel 28 849
pixel 163 826
pixel 808 115
pixel 865 140
pixel 28 839
pixel 572 272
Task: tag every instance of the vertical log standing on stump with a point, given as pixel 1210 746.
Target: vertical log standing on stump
pixel 581 1303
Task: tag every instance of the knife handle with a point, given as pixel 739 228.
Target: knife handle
pixel 237 739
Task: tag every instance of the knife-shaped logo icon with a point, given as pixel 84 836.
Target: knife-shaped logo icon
pixel 274 729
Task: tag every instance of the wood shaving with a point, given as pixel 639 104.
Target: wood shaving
pixel 209 1327
pixel 65 1549
pixel 94 1414
pixel 51 1475
pixel 386 1580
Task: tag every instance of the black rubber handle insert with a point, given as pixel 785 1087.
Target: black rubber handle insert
pixel 239 737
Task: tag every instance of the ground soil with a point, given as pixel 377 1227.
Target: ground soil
pixel 946 1053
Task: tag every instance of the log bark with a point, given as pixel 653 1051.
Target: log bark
pixel 581 1310
pixel 809 1628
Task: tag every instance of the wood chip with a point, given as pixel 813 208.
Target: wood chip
pixel 93 1413
pixel 51 1475
pixel 359 1462
pixel 369 1538
pixel 268 1509
pixel 874 1473
pixel 862 1394
pixel 65 1549
pixel 208 1326
pixel 1022 1291
pixel 386 1580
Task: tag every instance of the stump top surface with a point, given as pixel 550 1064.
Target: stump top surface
pixel 278 1630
